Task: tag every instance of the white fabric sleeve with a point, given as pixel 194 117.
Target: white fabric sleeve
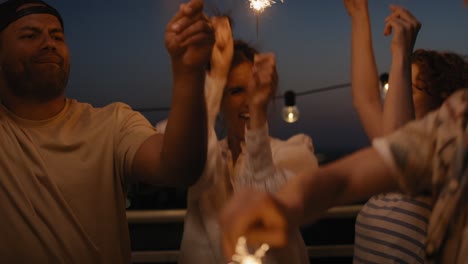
pixel 214 167
pixel 268 168
pixel 214 88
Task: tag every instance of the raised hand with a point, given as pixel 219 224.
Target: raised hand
pixel 221 58
pixel 264 81
pixel 258 216
pixel 189 36
pixel 223 49
pixel 405 28
pixel 261 89
pixel 356 7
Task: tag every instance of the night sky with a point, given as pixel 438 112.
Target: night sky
pixel 118 54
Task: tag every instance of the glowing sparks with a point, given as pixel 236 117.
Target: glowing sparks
pixel 243 256
pixel 260 5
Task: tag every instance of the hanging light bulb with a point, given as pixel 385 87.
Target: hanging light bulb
pixel 290 111
pixel 383 84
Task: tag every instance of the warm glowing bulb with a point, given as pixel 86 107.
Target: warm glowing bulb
pixel 386 87
pixel 383 84
pixel 290 114
pixel 384 90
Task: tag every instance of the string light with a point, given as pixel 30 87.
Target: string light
pixel 307 92
pixel 384 84
pixel 290 110
pixel 302 93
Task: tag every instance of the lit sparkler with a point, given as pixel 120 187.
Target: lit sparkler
pixel 243 256
pixel 259 6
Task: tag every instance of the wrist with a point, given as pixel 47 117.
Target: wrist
pixel 188 84
pixel 361 16
pixel 257 108
pixel 179 67
pixel 219 73
pixel 258 118
pixel 188 74
pixel 292 205
pixel 402 55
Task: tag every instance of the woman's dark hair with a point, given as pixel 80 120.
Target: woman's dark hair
pixel 440 73
pixel 242 52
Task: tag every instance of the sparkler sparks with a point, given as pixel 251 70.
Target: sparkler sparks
pixel 243 256
pixel 260 5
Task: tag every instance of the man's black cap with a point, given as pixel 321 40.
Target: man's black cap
pixel 9 12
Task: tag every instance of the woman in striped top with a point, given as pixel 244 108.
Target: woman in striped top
pixel 391 227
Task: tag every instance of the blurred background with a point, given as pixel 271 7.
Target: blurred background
pixel 118 54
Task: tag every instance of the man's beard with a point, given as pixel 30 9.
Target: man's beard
pixel 36 85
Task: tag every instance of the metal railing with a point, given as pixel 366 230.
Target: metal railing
pixel 177 216
pixel 170 216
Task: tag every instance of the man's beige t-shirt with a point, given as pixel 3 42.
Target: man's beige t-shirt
pixel 61 184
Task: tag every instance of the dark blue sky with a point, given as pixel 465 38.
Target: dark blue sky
pixel 118 54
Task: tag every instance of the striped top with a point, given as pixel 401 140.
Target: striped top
pixel 431 156
pixel 392 228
